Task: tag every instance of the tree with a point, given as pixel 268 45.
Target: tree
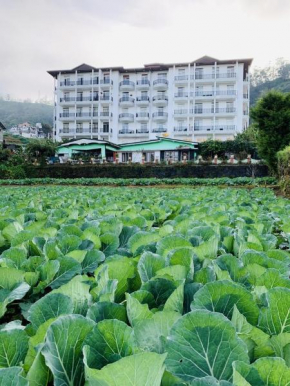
pixel 271 116
pixel 40 149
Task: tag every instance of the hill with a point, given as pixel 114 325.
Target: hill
pixel 280 84
pixel 12 113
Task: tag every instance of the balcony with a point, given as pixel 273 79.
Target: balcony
pixel 142 101
pixel 160 100
pixel 66 133
pixel 160 116
pixel 106 99
pixel 106 83
pixel 104 131
pixel 126 101
pixel 160 84
pixel 142 117
pixel 105 115
pixel 86 82
pixel 142 132
pixel 126 117
pixel 226 76
pixel 225 110
pixel 181 112
pixel 127 85
pixel 203 128
pixel 182 130
pixel 143 84
pixel 202 77
pixel 85 99
pixel 245 112
pixel 159 130
pixel 67 100
pixel 181 97
pixel 67 84
pixel 83 116
pixel 68 116
pixel 246 96
pixel 181 79
pixel 226 93
pixel 225 128
pixel 126 133
pixel 203 94
pixel 199 111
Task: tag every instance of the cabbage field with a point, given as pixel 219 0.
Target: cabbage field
pixel 144 287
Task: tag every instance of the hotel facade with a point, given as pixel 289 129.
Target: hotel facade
pixel 186 101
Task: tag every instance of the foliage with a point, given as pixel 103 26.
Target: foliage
pixel 117 286
pixel 241 146
pixel 272 116
pixel 238 181
pixel 40 149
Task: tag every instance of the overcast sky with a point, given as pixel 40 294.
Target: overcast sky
pixel 41 35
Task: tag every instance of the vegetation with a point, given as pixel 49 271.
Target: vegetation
pixel 238 181
pixel 40 150
pixel 242 145
pixel 13 113
pixel 271 115
pixel 274 77
pixel 144 287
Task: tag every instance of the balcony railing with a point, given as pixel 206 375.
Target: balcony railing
pixel 246 96
pixel 159 130
pixel 105 81
pixel 143 99
pixel 203 93
pixel 202 111
pixel 181 128
pixel 181 77
pixel 68 99
pixel 104 114
pixel 225 110
pixel 67 115
pixel 202 76
pixel 181 111
pixel 126 115
pixel 106 98
pixel 181 95
pixel 142 131
pixel 160 114
pixel 226 75
pixel 126 82
pixel 79 115
pixel 126 99
pixel 214 128
pixel 126 131
pixel 84 82
pixel 85 99
pixel 68 83
pixel 143 82
pixel 160 82
pixel 160 98
pixel 142 115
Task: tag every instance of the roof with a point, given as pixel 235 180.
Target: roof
pixel 159 139
pixel 2 126
pixel 138 146
pixel 81 142
pixel 204 60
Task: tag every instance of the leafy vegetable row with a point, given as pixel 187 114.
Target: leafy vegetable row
pixel 146 287
pixel 238 181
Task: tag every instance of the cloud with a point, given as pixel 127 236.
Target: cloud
pixel 41 35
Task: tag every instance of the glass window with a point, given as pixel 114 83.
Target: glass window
pixel 126 157
pixel 171 156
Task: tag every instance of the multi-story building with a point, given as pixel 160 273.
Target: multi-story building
pixel 188 101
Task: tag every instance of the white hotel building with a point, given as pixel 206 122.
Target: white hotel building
pixel 188 101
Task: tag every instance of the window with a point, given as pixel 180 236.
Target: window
pixel 198 73
pixel 181 71
pixel 144 94
pixel 162 75
pixel 144 76
pixel 106 75
pixel 79 111
pixel 126 77
pixel 67 81
pixel 94 127
pixel 171 156
pixel 79 96
pixel 65 128
pixel 79 128
pixel 105 127
pixel 144 128
pixel 198 108
pixel 149 156
pixel 125 128
pixel 65 113
pixel 66 96
pixel 126 157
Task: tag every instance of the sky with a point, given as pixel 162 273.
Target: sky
pixel 41 35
